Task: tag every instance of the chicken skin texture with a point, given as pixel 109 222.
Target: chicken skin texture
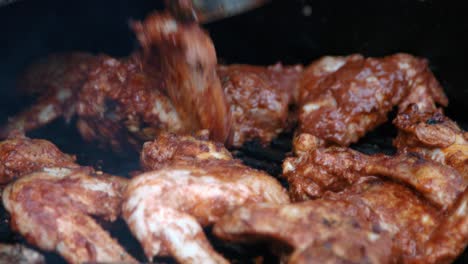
pixel 171 148
pixel 428 223
pixel 342 98
pixel 390 224
pixel 422 234
pixel 259 100
pixel 117 104
pixel 20 156
pixel 121 104
pixel 187 59
pixel 450 239
pixel 326 230
pixel 52 209
pixel 19 254
pixel 433 136
pixel 53 199
pixel 193 184
pixel 314 172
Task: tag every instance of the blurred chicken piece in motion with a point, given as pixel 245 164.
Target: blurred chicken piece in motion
pixel 52 201
pixel 342 98
pixel 19 254
pixel 318 170
pixel 259 100
pixel 187 59
pixel 433 136
pixel 193 184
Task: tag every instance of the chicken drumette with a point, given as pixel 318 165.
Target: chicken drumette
pixel 52 202
pixel 192 184
pixel 342 98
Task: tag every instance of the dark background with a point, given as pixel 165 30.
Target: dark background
pixel 280 31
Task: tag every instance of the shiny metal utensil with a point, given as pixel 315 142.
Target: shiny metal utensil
pixel 210 10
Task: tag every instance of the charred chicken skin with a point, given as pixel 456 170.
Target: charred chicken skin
pixel 53 200
pixel 192 184
pixel 434 136
pixel 342 98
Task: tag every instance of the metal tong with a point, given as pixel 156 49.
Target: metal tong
pixel 205 11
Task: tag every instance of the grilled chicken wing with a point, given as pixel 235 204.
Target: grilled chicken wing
pixel 342 98
pixel 193 183
pixel 52 208
pixel 20 156
pixel 122 104
pixel 259 100
pixel 389 223
pixel 428 224
pixel 118 104
pixel 52 202
pixel 322 230
pixel 318 170
pixel 433 136
pixel 187 59
pixel 20 255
